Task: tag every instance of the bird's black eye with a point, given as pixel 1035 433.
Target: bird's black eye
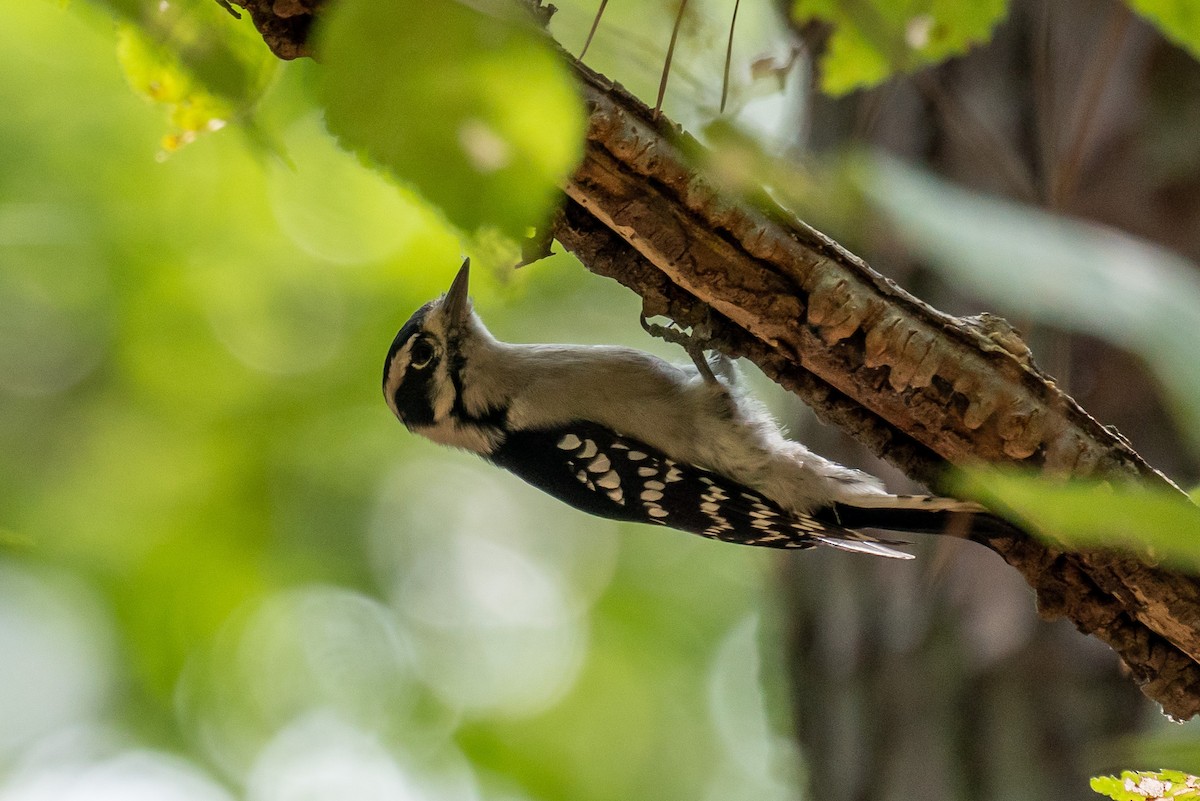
pixel 421 354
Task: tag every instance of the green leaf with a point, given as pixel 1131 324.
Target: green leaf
pixel 1179 20
pixel 1143 785
pixel 154 72
pixel 873 39
pixel 191 57
pixel 473 109
pixel 1062 272
pixel 1110 786
pixel 1088 514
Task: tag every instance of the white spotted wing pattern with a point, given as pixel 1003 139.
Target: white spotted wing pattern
pixel 602 473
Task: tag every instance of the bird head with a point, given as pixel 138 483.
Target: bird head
pixel 419 372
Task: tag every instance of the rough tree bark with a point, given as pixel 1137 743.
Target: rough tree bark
pixel 920 388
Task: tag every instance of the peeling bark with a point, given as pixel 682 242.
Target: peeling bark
pixel 919 387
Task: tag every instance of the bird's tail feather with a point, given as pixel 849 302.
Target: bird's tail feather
pixel 862 543
pixel 919 514
pixel 928 503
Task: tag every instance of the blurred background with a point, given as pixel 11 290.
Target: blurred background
pixel 227 572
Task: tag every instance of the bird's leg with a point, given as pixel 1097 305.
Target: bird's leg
pixel 695 343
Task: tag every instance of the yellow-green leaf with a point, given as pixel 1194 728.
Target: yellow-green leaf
pixel 874 39
pixel 1160 522
pixel 155 73
pixel 1148 785
pixel 1179 20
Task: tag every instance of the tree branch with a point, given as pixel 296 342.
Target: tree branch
pixel 919 387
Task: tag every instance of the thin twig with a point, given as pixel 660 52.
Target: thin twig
pixel 662 84
pixel 728 56
pixel 592 32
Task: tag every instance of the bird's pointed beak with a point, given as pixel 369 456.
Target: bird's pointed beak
pixel 457 302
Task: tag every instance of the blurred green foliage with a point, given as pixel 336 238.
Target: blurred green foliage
pixel 874 39
pixel 204 81
pixel 1160 524
pixel 470 106
pixel 154 71
pixel 231 64
pixel 225 569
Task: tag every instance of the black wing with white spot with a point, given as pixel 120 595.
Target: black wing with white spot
pixel 597 471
